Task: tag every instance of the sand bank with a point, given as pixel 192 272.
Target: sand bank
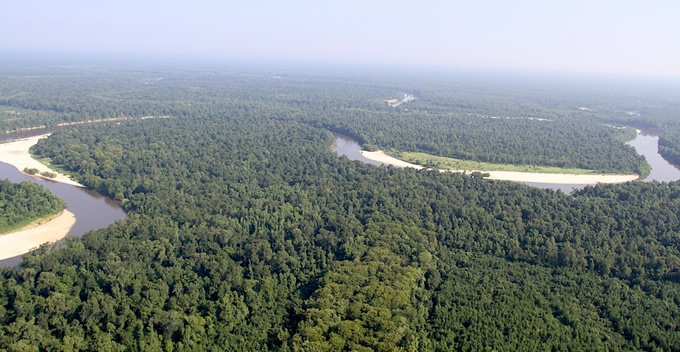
pixel 87 122
pixel 517 176
pixel 16 153
pixel 558 178
pixel 380 156
pixel 22 241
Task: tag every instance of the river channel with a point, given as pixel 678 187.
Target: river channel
pixel 92 210
pixel 662 170
pixel 646 145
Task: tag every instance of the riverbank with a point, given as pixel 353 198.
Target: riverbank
pixel 24 240
pixel 88 122
pixel 16 153
pixel 380 156
pixel 517 176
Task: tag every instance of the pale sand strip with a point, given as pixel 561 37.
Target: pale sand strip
pixel 22 241
pixel 517 176
pixel 559 178
pixel 87 122
pixel 16 154
pixel 380 156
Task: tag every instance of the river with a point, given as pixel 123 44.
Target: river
pixel 662 170
pixel 646 145
pixel 91 209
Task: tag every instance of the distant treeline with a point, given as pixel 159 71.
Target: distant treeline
pixel 467 119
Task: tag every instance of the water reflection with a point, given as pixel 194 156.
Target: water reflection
pixel 348 146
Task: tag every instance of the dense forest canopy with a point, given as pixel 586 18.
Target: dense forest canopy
pixel 23 203
pixel 246 232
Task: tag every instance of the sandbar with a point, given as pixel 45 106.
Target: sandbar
pixel 23 241
pixel 516 176
pixel 16 153
pixel 380 156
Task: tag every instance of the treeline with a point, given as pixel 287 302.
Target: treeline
pixel 464 117
pixel 669 146
pixel 247 233
pixel 22 203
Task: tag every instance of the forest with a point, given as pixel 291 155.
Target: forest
pixel 246 232
pixel 23 203
pixel 473 120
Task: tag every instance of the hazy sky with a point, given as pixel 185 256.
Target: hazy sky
pixel 640 37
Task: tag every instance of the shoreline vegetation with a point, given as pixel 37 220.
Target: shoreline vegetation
pixel 447 163
pixel 46 230
pixel 16 153
pixel 539 175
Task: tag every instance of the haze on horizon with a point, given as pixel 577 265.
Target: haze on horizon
pixel 626 37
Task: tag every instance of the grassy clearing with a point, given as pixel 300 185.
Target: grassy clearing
pixel 442 162
pixel 48 162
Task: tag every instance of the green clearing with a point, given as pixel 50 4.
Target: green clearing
pixel 441 162
pixel 48 162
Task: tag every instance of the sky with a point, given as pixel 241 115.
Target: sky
pixel 633 37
